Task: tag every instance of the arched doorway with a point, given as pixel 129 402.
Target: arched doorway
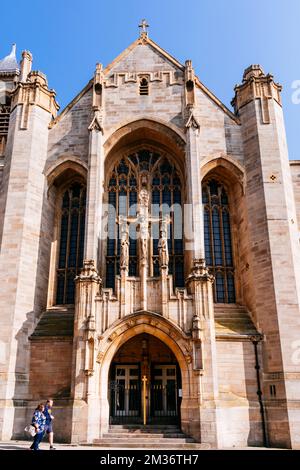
pixel 144 359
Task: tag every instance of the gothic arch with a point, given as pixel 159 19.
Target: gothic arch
pixel 132 325
pixel 231 171
pixel 66 172
pixel 159 174
pixel 146 130
pixel 231 175
pixel 73 165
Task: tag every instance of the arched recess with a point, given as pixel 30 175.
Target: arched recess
pixel 146 128
pixel 65 168
pixel 156 138
pixel 66 201
pixel 224 165
pixel 154 325
pixel 229 207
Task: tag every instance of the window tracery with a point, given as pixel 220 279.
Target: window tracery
pixel 217 240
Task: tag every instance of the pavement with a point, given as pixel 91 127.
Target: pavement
pixel 23 445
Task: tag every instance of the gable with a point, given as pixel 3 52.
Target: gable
pixel 142 58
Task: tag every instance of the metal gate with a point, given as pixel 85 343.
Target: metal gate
pixel 164 394
pixel 125 395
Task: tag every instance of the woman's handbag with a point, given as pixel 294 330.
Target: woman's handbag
pixel 30 430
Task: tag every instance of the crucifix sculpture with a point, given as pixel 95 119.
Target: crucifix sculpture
pixel 143 220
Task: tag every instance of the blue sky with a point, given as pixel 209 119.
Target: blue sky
pixel 222 37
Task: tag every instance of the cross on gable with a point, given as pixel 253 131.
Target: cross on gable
pixel 143 27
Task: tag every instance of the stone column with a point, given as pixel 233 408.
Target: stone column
pixel 199 284
pixel 95 173
pixel 86 410
pixel 274 249
pixel 22 287
pixel 194 212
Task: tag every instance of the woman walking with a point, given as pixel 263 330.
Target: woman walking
pixel 38 421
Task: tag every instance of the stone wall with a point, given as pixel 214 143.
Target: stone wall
pixel 50 368
pixel 295 173
pixel 70 136
pixel 239 419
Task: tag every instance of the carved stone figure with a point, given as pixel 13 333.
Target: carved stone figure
pixel 163 249
pixel 144 234
pixel 124 239
pixel 144 199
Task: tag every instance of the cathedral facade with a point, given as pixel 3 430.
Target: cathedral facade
pixel 149 253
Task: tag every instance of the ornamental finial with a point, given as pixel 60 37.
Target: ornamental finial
pixel 143 28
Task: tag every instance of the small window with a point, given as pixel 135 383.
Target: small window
pixel 144 87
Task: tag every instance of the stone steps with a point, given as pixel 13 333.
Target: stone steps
pixel 140 428
pixel 146 437
pixel 233 319
pixel 149 445
pixel 150 440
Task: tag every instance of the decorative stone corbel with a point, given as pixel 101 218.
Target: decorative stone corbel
pixel 199 272
pixel 199 284
pixel 88 272
pixel 191 121
pixel 96 124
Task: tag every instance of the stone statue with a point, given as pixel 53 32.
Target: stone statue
pixel 163 249
pixel 124 240
pixel 144 234
pixel 144 200
pixel 143 220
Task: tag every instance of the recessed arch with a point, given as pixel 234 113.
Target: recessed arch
pixel 224 215
pixel 145 322
pixel 159 175
pixel 154 325
pixel 65 168
pixel 229 169
pixel 66 194
pixel 146 131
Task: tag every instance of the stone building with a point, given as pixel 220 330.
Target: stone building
pixel 149 254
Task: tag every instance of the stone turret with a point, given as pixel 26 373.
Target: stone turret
pixel 33 106
pixel 274 240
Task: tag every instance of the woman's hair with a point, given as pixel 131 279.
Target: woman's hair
pixel 40 406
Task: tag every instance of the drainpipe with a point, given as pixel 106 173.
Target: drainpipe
pixel 259 394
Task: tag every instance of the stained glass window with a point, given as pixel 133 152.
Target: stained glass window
pixel 122 200
pixel 71 243
pixel 165 192
pixel 217 240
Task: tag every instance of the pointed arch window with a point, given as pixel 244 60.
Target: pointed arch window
pixel 71 243
pixel 122 200
pixel 166 199
pixel 217 239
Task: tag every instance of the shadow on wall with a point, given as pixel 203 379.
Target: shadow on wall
pixel 37 362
